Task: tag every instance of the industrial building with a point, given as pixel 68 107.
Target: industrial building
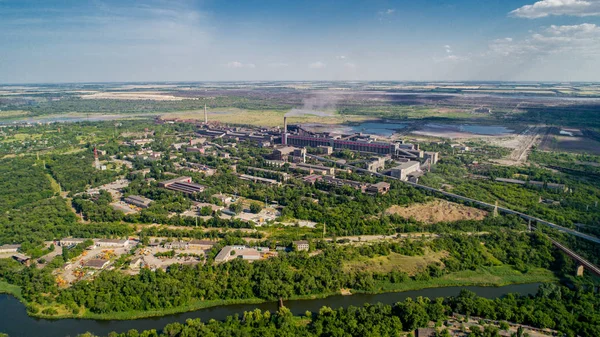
pixel 229 253
pixel 282 153
pixel 200 150
pixel 379 188
pixel 338 144
pixel 274 163
pixel 403 170
pixel 112 243
pixel 138 201
pixel 201 244
pixel 342 182
pixel 301 245
pixel 9 248
pixel 311 179
pixel 195 141
pixel 97 263
pixel 375 164
pixel 317 169
pixel 71 242
pixel 182 184
pixel 257 179
pixel 200 168
pixel 432 156
pixel 328 150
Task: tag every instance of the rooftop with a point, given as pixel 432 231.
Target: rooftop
pixel 406 165
pixel 96 263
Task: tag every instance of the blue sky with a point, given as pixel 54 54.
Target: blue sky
pixel 179 40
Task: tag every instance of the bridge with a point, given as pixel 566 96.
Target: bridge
pixel 583 263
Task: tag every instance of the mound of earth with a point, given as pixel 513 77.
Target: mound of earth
pixel 438 211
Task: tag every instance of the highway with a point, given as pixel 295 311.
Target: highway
pixel 477 202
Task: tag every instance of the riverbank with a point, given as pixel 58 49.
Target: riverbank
pixel 17 323
pixel 7 288
pixel 485 276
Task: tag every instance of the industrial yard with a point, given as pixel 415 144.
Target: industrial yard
pixel 393 201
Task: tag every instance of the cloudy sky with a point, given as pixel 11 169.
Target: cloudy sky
pixel 215 40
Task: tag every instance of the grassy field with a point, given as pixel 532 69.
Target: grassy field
pixel 53 183
pixel 395 262
pixel 483 276
pixel 6 288
pixel 13 113
pixel 20 137
pixel 269 118
pixel 286 232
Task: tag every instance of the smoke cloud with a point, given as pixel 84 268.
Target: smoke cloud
pixel 321 104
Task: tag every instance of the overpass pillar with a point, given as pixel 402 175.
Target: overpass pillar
pixel 579 270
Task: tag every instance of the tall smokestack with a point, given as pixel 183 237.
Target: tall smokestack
pixel 284 136
pixel 205 115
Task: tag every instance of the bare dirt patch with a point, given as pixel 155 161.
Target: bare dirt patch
pixel 438 211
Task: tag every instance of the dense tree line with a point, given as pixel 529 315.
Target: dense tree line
pixel 289 275
pixel 573 312
pixel 75 172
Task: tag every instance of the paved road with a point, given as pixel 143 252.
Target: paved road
pixel 477 202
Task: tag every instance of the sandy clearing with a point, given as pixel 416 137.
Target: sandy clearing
pixel 438 211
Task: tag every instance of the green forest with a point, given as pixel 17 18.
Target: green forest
pixel 569 311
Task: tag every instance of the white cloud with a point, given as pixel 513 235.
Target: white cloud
pixel 279 65
pixel 576 40
pixel 237 65
pixel 451 58
pixel 350 65
pixel 385 15
pixel 544 8
pixel 234 64
pixel 341 57
pixel 317 65
pixel 567 41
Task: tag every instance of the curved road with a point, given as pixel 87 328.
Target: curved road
pixel 477 202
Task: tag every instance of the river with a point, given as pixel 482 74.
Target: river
pixel 16 323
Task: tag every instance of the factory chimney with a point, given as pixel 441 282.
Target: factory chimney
pixel 284 135
pixel 96 161
pixel 205 115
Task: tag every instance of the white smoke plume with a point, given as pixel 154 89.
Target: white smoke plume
pixel 321 104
